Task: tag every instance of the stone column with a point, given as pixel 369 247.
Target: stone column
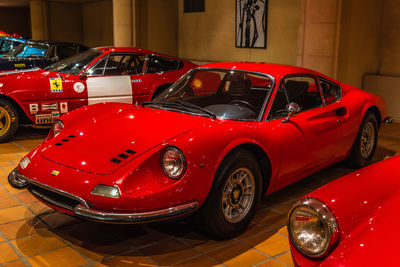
pixel 122 18
pixel 39 19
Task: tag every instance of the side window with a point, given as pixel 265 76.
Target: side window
pixel 303 91
pixel 117 65
pixel 331 91
pixel 98 68
pixel 64 51
pixel 161 64
pixel 278 109
pixel 136 64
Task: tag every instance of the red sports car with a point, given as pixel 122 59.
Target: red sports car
pixel 213 143
pixel 339 226
pixel 106 74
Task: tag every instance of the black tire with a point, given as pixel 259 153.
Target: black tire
pixel 9 120
pixel 210 218
pixel 359 156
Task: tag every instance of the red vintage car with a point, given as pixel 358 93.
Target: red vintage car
pixel 213 143
pixel 338 226
pixel 106 74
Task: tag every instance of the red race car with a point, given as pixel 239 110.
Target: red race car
pixel 217 140
pixel 106 74
pixel 339 226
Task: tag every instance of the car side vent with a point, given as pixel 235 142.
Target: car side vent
pixel 59 144
pixel 65 140
pixel 71 136
pixel 130 151
pixel 116 161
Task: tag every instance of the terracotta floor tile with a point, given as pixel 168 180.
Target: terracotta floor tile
pixel 1 239
pixel 61 257
pixel 22 228
pixel 199 261
pixel 3 178
pixel 39 208
pixel 14 214
pixel 132 259
pixel 7 201
pixel 7 253
pixel 283 231
pixel 169 252
pixel 270 244
pixel 271 263
pixel 252 230
pixel 286 258
pixel 270 219
pixel 237 255
pixel 39 243
pixel 58 220
pixel 11 189
pixel 9 168
pixel 204 244
pixel 25 197
pixel 18 263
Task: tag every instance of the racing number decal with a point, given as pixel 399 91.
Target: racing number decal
pixel 56 85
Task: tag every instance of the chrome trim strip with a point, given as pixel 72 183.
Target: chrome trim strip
pixel 139 217
pixel 55 190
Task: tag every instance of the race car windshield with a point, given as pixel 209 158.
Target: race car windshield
pixel 29 50
pixel 74 64
pixel 219 93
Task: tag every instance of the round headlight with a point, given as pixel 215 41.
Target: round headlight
pixel 57 127
pixel 312 227
pixel 173 162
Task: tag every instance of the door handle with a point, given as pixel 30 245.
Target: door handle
pixel 341 111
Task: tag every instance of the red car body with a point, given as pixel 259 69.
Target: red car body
pixel 78 158
pixel 364 215
pixel 42 96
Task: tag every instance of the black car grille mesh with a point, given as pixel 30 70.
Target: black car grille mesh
pixel 54 198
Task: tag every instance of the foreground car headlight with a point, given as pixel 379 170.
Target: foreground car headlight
pixel 312 227
pixel 57 127
pixel 173 162
pixel 106 191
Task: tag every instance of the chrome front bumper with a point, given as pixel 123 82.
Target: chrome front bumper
pixel 83 209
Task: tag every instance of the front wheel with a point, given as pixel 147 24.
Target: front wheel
pixel 364 147
pixel 232 201
pixel 8 120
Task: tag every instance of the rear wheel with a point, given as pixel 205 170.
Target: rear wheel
pixel 232 201
pixel 8 120
pixel 364 147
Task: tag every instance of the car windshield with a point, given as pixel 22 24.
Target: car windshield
pixel 76 63
pixel 217 93
pixel 5 46
pixel 29 50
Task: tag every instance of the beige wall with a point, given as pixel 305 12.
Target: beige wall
pixel 97 23
pixel 65 21
pixel 210 36
pixel 360 39
pixel 15 20
pixel 156 22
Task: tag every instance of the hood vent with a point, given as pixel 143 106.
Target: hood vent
pixel 122 156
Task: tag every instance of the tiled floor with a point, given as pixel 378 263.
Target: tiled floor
pixel 32 234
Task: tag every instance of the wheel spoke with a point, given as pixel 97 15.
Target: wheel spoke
pixel 1 115
pixel 1 125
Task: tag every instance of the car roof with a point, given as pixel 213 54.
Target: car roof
pixel 276 70
pixel 12 39
pixel 130 50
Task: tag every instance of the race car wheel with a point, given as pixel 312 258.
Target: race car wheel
pixel 232 201
pixel 8 120
pixel 364 147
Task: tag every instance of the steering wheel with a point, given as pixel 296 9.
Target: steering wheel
pixel 241 102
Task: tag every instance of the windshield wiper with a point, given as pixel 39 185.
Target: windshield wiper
pixel 180 104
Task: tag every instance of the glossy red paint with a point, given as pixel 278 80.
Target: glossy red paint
pixel 32 87
pixel 312 140
pixel 365 204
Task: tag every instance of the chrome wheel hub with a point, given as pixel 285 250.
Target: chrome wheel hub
pixel 238 195
pixel 367 140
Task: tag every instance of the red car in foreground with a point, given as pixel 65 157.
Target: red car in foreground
pixel 107 74
pixel 349 222
pixel 221 137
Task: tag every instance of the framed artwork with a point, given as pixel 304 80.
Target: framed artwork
pixel 251 23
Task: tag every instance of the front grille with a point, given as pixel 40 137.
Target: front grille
pixel 54 198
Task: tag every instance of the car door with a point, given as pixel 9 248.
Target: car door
pixel 304 139
pixel 113 80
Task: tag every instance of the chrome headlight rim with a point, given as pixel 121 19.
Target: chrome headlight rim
pixel 52 127
pixel 329 221
pixel 182 156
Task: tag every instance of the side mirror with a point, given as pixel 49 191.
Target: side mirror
pixel 291 109
pixel 83 76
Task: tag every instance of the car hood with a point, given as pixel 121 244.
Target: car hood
pixel 33 72
pixel 95 144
